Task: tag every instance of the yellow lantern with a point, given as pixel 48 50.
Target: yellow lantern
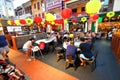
pixel 65 21
pixel 29 21
pixel 93 6
pixel 9 22
pixel 83 19
pixel 42 23
pixel 52 23
pixel 17 22
pixel 110 14
pixel 49 17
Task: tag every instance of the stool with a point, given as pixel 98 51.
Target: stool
pixel 69 61
pixel 90 62
pixel 36 49
pixel 59 53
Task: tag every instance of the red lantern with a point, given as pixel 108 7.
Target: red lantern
pixel 37 19
pixel 47 22
pixel 22 21
pixel 12 22
pixel 95 17
pixel 73 20
pixel 66 13
pixel 59 21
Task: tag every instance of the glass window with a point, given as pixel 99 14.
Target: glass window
pixel 39 15
pixel 82 9
pixel 34 6
pixel 106 2
pixel 38 5
pixel 43 15
pixel 74 10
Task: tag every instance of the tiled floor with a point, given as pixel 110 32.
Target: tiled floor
pixel 38 70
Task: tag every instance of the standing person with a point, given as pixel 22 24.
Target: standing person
pixel 27 48
pixel 4 46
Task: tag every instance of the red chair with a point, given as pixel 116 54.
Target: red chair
pixel 42 45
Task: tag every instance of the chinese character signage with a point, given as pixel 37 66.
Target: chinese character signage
pixel 51 4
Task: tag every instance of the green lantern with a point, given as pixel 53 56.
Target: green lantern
pixel 93 6
pixel 29 21
pixel 110 14
pixel 83 19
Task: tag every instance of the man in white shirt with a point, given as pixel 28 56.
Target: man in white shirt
pixel 27 48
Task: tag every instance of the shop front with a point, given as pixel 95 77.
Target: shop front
pixel 107 24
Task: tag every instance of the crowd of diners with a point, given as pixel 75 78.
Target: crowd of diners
pixel 74 43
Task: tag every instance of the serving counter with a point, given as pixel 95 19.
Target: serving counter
pixel 18 41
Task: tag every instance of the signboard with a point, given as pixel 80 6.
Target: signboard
pixel 51 4
pixel 14 28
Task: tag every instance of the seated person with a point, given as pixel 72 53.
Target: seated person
pixel 85 49
pixel 65 43
pixel 76 41
pixel 10 70
pixel 27 48
pixel 71 49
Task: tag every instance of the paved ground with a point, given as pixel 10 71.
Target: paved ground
pixel 107 66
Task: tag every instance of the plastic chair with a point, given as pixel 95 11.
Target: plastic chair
pixel 36 49
pixel 42 45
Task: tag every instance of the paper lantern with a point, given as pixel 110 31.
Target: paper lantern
pixel 83 19
pixel 47 22
pixel 49 17
pixel 22 21
pixel 93 6
pixel 66 13
pixel 110 14
pixel 52 23
pixel 17 22
pixel 59 21
pixel 42 23
pixel 37 19
pixel 71 35
pixel 65 21
pixel 12 22
pixel 29 21
pixel 73 20
pixel 9 22
pixel 95 17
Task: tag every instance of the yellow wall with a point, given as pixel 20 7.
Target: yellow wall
pixel 80 7
pixel 36 11
pixel 57 10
